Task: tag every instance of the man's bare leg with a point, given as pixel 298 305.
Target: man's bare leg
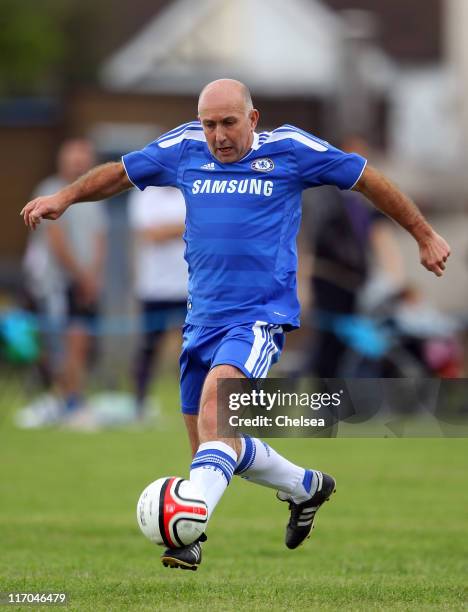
pixel 191 424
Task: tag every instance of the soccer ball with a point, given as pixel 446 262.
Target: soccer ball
pixel 172 512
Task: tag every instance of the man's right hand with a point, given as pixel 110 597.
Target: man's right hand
pixel 45 207
pixel 99 183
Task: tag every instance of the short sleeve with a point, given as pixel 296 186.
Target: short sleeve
pixel 319 163
pixel 157 164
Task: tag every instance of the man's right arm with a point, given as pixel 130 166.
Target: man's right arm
pixel 377 188
pixel 99 183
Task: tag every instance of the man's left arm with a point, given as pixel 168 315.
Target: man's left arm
pixel 385 196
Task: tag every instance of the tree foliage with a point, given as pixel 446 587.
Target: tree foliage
pixel 46 45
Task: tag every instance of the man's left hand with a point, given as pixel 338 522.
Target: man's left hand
pixel 433 252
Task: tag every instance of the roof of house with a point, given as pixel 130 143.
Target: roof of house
pixel 189 43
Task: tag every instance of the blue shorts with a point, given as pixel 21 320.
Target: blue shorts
pixel 252 348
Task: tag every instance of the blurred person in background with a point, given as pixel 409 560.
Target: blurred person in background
pixel 428 334
pixel 354 252
pixel 157 218
pixel 63 267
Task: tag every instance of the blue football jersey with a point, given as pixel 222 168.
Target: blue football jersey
pixel 243 217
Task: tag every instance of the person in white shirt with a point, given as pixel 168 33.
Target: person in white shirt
pixel 157 217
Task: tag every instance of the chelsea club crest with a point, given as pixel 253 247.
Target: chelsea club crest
pixel 263 165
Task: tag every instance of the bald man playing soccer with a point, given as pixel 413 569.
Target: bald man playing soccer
pixel 243 197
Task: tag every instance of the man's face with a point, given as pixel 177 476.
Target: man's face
pixel 228 130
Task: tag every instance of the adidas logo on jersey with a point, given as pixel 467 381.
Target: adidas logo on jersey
pixel 209 166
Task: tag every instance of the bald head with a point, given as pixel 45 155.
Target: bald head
pixel 228 118
pixel 225 91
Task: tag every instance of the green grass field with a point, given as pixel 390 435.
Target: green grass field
pixel 394 537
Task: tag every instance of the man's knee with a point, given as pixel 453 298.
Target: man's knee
pixel 209 396
pixel 208 417
pixel 218 372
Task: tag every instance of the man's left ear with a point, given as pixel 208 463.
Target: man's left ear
pixel 253 116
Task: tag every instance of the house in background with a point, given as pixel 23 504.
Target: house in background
pixel 326 65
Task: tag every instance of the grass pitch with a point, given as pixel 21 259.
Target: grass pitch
pixel 394 537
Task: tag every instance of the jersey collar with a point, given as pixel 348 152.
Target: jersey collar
pixel 254 147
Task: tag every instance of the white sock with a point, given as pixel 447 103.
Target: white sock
pixel 212 469
pixel 261 464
